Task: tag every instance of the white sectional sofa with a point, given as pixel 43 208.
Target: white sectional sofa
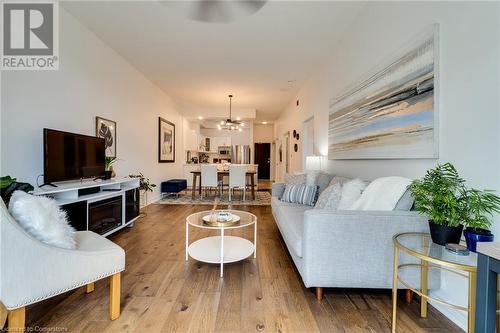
pixel 346 249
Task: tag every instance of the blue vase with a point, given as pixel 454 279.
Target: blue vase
pixel 472 238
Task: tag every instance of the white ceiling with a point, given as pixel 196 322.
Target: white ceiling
pixel 262 59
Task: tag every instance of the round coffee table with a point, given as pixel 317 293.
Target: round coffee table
pixel 221 249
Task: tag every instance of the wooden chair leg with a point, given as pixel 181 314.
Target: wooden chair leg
pixel 319 293
pixel 408 296
pixel 3 315
pixel 90 288
pixel 16 320
pixel 114 296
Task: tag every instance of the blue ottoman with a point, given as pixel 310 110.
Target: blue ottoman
pixel 173 186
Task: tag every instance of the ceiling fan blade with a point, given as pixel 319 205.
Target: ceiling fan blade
pixel 251 5
pixel 211 11
pixel 215 10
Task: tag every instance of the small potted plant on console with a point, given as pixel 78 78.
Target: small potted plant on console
pixel 108 166
pixel 437 196
pixel 477 209
pixel 145 186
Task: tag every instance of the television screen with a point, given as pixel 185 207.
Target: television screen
pixel 70 156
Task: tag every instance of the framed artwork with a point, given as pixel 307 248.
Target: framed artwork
pixel 392 112
pixel 106 129
pixel 166 141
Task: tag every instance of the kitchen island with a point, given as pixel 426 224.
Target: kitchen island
pixel 192 170
pixel 251 174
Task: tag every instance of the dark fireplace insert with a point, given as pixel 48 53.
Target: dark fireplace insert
pixel 105 215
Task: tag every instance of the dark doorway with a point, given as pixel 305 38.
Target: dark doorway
pixel 263 159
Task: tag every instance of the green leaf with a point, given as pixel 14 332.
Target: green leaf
pixel 6 181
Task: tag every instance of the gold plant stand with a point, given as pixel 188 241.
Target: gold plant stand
pixel 432 256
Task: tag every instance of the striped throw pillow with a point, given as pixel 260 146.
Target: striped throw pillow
pixel 300 194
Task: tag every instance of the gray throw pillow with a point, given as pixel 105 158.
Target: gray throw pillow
pixel 323 180
pixel 300 194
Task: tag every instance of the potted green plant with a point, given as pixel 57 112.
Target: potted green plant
pixel 437 196
pixel 108 166
pixel 9 185
pixel 145 185
pixel 477 208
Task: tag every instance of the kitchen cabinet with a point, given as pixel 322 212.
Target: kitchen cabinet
pixel 224 141
pixel 219 141
pixel 212 144
pixel 205 143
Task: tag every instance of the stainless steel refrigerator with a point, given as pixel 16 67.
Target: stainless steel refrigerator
pixel 241 154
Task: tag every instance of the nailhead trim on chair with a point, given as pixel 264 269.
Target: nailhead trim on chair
pixel 60 291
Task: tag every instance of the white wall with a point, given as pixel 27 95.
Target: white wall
pixel 92 80
pixel 263 133
pixel 191 132
pixel 291 120
pixel 469 93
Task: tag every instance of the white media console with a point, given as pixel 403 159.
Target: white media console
pixel 102 206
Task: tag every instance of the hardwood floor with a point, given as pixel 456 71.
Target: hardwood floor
pixel 161 292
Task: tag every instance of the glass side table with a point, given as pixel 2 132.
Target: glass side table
pixel 221 249
pixel 432 256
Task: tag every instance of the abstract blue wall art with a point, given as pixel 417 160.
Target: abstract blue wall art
pixel 391 114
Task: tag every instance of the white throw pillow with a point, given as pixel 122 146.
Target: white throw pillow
pixel 351 191
pixel 330 197
pixel 382 194
pixel 295 179
pixel 42 218
pixel 311 177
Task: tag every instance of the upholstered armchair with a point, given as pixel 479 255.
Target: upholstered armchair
pixel 31 271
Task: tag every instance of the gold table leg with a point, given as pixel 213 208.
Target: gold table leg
pixel 90 288
pixel 472 302
pixel 423 285
pixel 394 289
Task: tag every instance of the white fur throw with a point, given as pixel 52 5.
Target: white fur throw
pixel 42 218
pixel 382 194
pixel 351 191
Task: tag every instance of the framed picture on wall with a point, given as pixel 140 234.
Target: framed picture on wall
pixel 166 141
pixel 392 112
pixel 106 129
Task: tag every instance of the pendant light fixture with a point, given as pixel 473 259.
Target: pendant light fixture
pixel 229 124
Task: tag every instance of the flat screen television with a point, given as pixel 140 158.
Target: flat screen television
pixel 69 156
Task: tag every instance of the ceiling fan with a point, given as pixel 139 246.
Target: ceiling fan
pixel 215 11
pixel 229 124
